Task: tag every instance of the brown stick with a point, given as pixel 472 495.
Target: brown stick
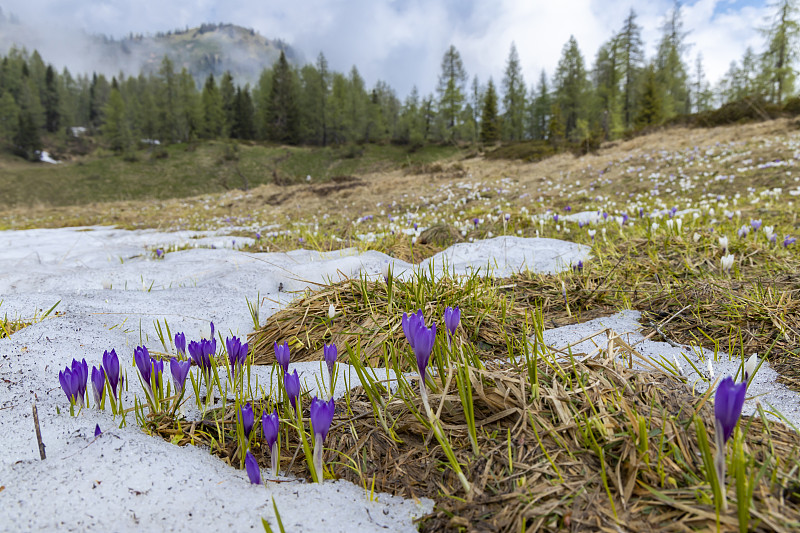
pixel 38 433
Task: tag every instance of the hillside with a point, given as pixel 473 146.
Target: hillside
pixel 207 49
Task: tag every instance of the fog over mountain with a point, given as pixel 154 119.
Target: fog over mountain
pixel 207 49
pixel 398 41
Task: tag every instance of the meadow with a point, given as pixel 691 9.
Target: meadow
pixel 695 229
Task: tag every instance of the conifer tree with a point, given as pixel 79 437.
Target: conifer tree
pixel 52 114
pixel 451 90
pixel 571 87
pixel 116 129
pixel 651 107
pixel 513 98
pixel 9 117
pixel 629 41
pixel 282 115
pixel 779 57
pixel 490 127
pixel 671 71
pixel 227 92
pixel 540 109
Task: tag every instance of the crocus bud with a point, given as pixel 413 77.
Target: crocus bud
pixel 180 343
pixel 330 351
pixel 321 416
pixel 331 311
pixel 728 403
pixel 142 359
pixel 179 370
pixel 292 384
pixel 270 424
pixel 98 383
pixel 248 419
pixel 111 368
pixel 282 355
pixel 253 472
pixel 750 367
pixel 452 316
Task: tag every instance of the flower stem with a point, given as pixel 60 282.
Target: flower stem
pixel 273 455
pixel 318 457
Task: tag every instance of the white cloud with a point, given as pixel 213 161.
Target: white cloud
pixel 403 41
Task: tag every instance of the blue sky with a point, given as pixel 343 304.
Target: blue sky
pixel 402 41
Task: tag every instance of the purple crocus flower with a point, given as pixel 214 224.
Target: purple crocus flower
pixel 258 236
pixel 97 431
pixel 410 324
pixel 555 217
pixel 253 472
pixel 788 240
pixel 270 424
pixel 212 330
pixel 578 267
pixel 756 224
pixel 80 372
pixel 330 351
pixel 180 343
pixel 69 383
pixel 179 370
pixel 452 316
pixel 321 416
pixel 201 353
pixel 292 384
pixel 421 340
pixel 237 352
pixel 475 221
pixel 728 402
pixel 111 368
pixel 98 384
pixel 282 355
pixel 159 253
pixel 605 215
pixel 142 359
pixel 568 209
pixel 248 419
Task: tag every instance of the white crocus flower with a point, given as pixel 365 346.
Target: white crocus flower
pixel 768 231
pixel 654 227
pixel 331 311
pixel 710 369
pixel 678 224
pixel 670 223
pixel 727 262
pixel 696 237
pixel 723 242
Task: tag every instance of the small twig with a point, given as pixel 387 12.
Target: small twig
pixel 38 432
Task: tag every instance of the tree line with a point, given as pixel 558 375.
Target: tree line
pixel 311 104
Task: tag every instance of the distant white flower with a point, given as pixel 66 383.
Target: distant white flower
pixel 678 224
pixel 677 364
pixel 768 231
pixel 723 242
pixel 696 237
pixel 710 369
pixel 727 262
pixel 654 227
pixel 331 311
pixel 592 233
pixel 670 224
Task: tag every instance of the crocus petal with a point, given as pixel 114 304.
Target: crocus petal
pixel 111 368
pixel 251 465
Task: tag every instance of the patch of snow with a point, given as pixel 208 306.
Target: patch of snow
pixel 111 292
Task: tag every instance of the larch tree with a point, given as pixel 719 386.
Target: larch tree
pixel 490 126
pixel 781 52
